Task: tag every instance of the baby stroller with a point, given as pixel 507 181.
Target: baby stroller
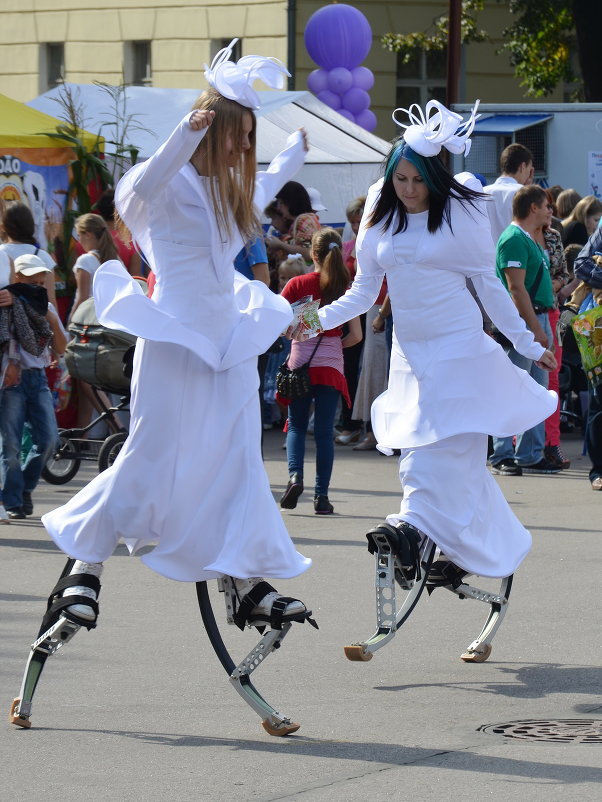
pixel 102 358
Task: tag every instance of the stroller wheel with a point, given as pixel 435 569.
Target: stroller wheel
pixel 62 465
pixel 110 449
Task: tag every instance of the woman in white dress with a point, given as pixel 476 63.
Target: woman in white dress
pixel 450 385
pixel 190 477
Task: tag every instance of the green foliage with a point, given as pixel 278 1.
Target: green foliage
pixel 407 44
pixel 539 44
pixel 87 166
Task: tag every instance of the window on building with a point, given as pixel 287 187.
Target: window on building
pixel 422 79
pixel 137 63
pixel 219 44
pixel 52 65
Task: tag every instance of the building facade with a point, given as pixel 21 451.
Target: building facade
pixel 165 43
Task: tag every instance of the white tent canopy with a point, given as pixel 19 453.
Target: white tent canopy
pixel 342 162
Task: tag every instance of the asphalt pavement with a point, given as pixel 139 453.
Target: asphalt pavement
pixel 141 709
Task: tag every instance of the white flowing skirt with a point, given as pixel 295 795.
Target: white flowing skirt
pixel 190 476
pixel 449 494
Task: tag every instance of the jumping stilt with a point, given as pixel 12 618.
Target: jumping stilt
pixel 403 556
pixel 405 561
pixel 273 722
pixel 59 625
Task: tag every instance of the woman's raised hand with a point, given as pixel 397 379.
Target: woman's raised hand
pixel 201 119
pixel 305 140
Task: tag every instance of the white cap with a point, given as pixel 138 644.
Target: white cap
pixel 316 200
pixel 29 265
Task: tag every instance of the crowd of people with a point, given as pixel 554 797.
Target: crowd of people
pixel 538 234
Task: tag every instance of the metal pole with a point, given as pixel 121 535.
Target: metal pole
pixel 453 52
pixel 291 34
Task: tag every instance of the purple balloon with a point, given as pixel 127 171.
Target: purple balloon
pixel 347 114
pixel 356 100
pixel 367 119
pixel 317 81
pixel 339 80
pixel 328 97
pixel 363 78
pixel 338 35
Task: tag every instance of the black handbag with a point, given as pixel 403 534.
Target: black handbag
pixel 295 383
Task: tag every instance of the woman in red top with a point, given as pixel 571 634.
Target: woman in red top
pixel 328 281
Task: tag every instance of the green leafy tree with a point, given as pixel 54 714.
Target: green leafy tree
pixel 539 42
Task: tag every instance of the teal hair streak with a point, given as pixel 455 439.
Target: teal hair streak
pixel 424 165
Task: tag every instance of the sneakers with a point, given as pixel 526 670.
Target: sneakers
pixel 367 444
pixel 507 467
pixel 294 488
pixel 344 438
pixel 556 456
pixel 543 466
pixel 3 515
pixel 263 609
pixel 16 514
pixel 322 506
pixel 596 484
pixel 83 610
pixel 27 503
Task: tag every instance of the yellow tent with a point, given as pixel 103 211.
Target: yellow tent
pixel 25 128
pixel 34 166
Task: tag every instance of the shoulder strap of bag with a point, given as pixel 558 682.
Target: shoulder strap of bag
pixel 313 353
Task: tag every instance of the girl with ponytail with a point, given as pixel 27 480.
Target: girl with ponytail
pixel 96 240
pixel 327 282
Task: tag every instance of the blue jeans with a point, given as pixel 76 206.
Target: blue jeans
pixel 529 444
pixel 29 401
pixel 593 433
pixel 325 400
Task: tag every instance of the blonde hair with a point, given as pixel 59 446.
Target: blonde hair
pixel 584 208
pixel 326 252
pixel 95 224
pixel 231 189
pixel 356 207
pixel 295 263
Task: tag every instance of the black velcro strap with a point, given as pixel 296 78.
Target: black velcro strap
pixel 382 529
pixel 251 600
pixel 74 580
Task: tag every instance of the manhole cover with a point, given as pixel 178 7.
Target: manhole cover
pixel 564 731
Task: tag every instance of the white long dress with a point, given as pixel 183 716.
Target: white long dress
pixel 450 384
pixel 190 477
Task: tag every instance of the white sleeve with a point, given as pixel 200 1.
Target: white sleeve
pixel 282 169
pixel 87 262
pixel 360 296
pixel 501 309
pixel 151 176
pixel 47 259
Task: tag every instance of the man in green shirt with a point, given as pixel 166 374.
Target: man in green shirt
pixel 524 268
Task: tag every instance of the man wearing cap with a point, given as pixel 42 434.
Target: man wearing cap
pixel 26 396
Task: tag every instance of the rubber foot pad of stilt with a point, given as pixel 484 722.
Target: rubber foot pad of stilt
pixel 15 718
pixel 478 655
pixel 357 653
pixel 283 729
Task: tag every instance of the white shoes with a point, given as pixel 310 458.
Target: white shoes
pixel 3 515
pixel 264 608
pixel 83 610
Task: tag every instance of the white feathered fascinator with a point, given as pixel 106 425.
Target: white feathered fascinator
pixel 427 133
pixel 234 80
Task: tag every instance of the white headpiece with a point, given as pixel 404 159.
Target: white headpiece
pixel 427 134
pixel 233 80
